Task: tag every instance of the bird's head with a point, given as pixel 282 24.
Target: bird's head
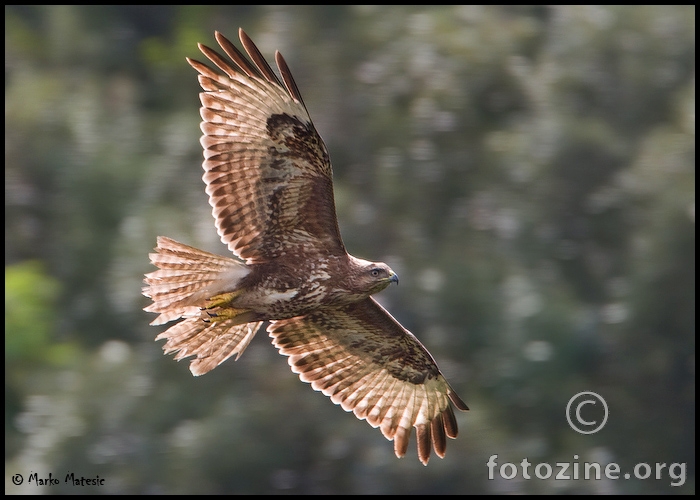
pixel 373 277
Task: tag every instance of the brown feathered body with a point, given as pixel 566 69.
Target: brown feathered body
pixel 269 180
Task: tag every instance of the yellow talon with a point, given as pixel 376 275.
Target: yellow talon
pixel 227 313
pixel 218 308
pixel 222 299
pixel 222 314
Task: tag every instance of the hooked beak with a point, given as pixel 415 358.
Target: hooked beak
pixel 394 278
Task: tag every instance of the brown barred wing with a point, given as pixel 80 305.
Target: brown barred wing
pixel 365 361
pixel 267 170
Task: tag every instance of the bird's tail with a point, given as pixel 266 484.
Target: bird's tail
pixel 188 284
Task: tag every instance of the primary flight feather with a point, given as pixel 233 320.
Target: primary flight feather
pixel 269 180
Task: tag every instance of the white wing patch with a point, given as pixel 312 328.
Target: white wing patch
pixel 274 296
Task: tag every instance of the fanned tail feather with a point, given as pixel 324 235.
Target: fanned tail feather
pixel 186 278
pixel 212 343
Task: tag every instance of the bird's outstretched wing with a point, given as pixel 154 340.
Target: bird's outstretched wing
pixel 267 170
pixel 368 363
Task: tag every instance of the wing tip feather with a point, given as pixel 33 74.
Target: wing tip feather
pixel 456 400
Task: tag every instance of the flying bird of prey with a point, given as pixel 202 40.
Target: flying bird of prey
pixel 269 181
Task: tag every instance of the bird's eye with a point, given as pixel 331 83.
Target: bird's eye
pixel 375 272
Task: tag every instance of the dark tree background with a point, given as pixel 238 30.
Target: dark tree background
pixel 528 171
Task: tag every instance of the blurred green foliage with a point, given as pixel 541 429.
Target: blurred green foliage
pixel 29 310
pixel 528 171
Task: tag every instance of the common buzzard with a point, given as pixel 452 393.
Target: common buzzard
pixel 269 181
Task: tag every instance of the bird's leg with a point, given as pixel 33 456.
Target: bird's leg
pixel 222 299
pixel 218 307
pixel 227 313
